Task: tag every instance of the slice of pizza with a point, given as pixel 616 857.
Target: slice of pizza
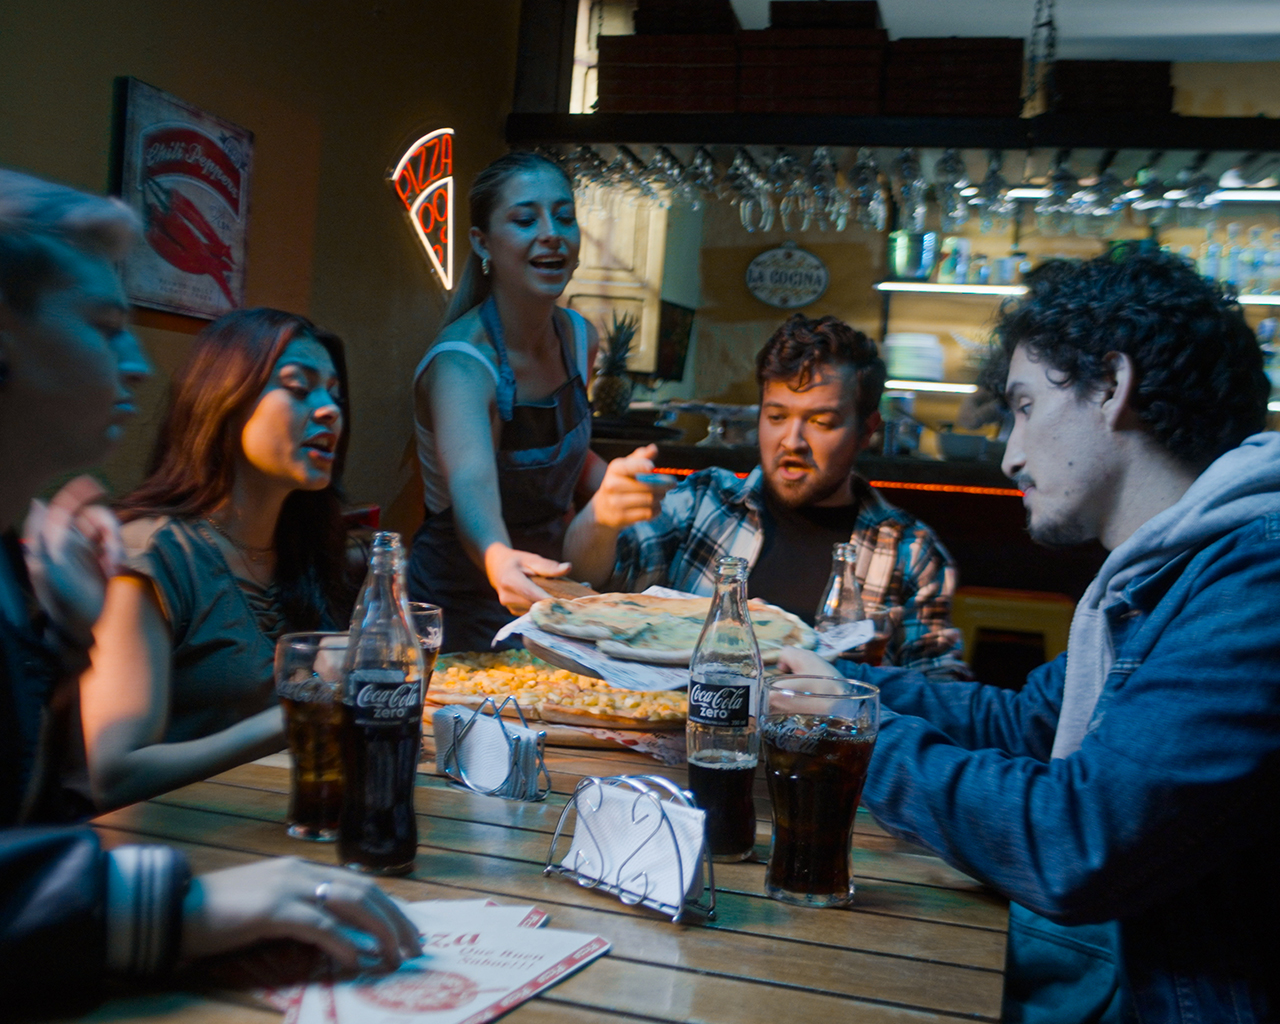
pixel 662 630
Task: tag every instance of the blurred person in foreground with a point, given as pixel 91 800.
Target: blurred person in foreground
pixel 820 385
pixel 1125 799
pixel 71 912
pixel 234 538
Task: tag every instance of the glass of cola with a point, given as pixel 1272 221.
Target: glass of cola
pixel 308 674
pixel 818 734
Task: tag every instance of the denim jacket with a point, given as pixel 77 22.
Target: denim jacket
pixel 1166 817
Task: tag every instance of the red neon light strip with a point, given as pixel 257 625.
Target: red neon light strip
pixel 997 492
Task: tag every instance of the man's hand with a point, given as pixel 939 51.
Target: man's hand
pixel 795 661
pixel 72 548
pixel 346 915
pixel 509 570
pixel 622 499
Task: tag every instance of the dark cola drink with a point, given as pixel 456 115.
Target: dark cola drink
pixel 816 768
pixel 381 736
pixel 721 785
pixel 381 721
pixel 315 798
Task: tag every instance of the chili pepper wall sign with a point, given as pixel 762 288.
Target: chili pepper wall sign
pixel 187 173
pixel 423 180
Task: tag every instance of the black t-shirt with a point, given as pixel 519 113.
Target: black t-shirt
pixel 795 555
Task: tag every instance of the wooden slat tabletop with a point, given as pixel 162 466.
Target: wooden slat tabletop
pixel 922 942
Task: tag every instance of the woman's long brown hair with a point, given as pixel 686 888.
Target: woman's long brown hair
pixel 194 461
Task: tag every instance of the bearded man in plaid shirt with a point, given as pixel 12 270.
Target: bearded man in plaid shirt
pixel 820 386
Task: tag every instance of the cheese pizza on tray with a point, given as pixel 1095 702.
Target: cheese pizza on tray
pixel 662 630
pixel 549 694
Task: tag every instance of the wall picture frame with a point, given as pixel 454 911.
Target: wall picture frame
pixel 187 173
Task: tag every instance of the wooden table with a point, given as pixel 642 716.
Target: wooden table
pixel 923 942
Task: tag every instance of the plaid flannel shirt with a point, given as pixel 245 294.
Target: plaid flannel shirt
pixel 902 567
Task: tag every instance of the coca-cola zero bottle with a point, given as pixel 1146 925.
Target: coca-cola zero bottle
pixel 723 746
pixel 381 721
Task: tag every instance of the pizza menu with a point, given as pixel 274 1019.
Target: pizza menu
pixel 480 959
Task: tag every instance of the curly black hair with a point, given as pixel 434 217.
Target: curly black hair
pixel 1201 387
pixel 800 345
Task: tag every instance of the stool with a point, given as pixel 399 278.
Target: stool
pixel 1017 611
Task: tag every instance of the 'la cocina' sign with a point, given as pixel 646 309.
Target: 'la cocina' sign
pixel 787 277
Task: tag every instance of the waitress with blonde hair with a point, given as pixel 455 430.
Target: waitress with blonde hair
pixel 501 413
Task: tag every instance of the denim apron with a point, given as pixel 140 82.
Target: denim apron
pixel 542 448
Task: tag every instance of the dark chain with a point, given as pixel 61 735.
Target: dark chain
pixel 1043 49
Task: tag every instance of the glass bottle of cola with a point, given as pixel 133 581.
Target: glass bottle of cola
pixel 725 676
pixel 381 721
pixel 842 598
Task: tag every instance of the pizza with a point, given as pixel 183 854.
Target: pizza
pixel 549 694
pixel 662 630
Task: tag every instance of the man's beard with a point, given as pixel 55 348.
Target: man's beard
pixel 1057 535
pixel 805 493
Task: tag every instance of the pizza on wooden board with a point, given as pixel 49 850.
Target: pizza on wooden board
pixel 549 694
pixel 662 630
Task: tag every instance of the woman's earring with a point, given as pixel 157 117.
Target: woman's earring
pixel 484 265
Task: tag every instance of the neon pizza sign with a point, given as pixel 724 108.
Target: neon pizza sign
pixel 423 180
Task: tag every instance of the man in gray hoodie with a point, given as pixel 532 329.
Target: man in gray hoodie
pixel 1125 799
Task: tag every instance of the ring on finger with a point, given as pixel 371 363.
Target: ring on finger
pixel 322 892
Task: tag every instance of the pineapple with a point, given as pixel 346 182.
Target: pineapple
pixel 612 392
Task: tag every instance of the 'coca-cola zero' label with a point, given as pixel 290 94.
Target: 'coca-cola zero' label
pixel 383 695
pixel 720 701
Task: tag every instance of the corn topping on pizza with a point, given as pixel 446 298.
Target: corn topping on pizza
pixel 551 694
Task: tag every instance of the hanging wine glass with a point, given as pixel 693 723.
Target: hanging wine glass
pixel 705 177
pixel 1195 207
pixel 589 174
pixel 821 180
pixel 995 208
pixel 868 193
pixel 911 191
pixel 1096 208
pixel 751 192
pixel 949 179
pixel 1148 202
pixel 1053 212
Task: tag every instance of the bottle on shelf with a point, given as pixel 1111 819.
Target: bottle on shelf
pixel 1271 266
pixel 1252 260
pixel 381 721
pixel 1229 268
pixel 725 678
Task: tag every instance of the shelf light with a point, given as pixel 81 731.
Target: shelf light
pixel 1246 195
pixel 1259 300
pixel 930 385
pixel 950 289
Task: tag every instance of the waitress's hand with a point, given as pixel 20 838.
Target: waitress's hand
pixel 622 499
pixel 509 570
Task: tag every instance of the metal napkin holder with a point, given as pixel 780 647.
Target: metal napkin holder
pixel 489 755
pixel 640 838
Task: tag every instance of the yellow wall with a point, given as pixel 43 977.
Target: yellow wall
pixel 333 90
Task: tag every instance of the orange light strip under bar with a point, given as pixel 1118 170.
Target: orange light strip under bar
pixel 998 492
